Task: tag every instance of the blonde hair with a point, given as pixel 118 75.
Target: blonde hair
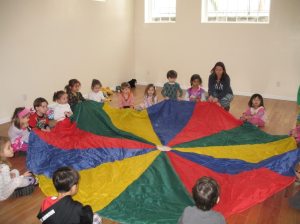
pixel 3 160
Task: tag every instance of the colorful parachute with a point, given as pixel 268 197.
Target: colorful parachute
pixel 140 166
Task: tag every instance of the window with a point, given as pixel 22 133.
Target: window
pixel 235 11
pixel 160 11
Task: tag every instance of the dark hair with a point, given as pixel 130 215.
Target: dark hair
pixel 64 178
pixel 4 160
pixel 148 87
pixel 72 82
pixel 250 104
pixel 125 85
pixel 195 77
pixel 57 95
pixel 172 74
pixel 96 82
pixel 205 193
pixel 38 102
pixel 220 64
pixel 15 119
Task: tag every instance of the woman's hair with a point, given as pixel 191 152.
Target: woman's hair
pixel 3 142
pixel 64 178
pixel 147 88
pixel 125 85
pixel 95 82
pixel 57 95
pixel 250 104
pixel 72 82
pixel 220 64
pixel 195 77
pixel 172 74
pixel 206 193
pixel 15 118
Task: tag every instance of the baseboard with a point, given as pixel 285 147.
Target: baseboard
pixel 4 120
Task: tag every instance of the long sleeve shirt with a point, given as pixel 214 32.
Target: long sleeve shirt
pixel 172 90
pixel 219 89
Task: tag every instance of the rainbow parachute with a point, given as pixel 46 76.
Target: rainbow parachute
pixel 140 166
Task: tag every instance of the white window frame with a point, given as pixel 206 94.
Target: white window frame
pixel 155 14
pixel 235 16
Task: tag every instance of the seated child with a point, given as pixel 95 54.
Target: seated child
pixel 18 132
pixel 294 201
pixel 63 209
pixel 296 131
pixel 96 94
pixel 62 109
pixel 10 180
pixel 255 114
pixel 206 196
pixel 126 99
pixel 72 89
pixel 171 89
pixel 195 93
pixel 39 119
pixel 150 97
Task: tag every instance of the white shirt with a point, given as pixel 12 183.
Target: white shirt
pixel 98 97
pixel 59 111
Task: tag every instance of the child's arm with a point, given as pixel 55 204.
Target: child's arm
pixel 179 90
pixel 131 101
pixel 203 97
pixel 121 103
pixel 163 91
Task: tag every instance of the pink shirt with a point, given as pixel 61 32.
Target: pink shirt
pixel 126 100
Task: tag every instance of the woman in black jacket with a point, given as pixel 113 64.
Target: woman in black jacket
pixel 219 89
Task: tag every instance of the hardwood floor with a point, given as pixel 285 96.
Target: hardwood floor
pixel 275 210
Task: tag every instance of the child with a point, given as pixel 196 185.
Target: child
pixel 126 99
pixel 62 109
pixel 11 182
pixel 18 132
pixel 219 89
pixel 39 119
pixel 195 93
pixel 294 201
pixel 63 209
pixel 255 114
pixel 150 97
pixel 206 196
pixel 171 89
pixel 72 89
pixel 96 94
pixel 296 131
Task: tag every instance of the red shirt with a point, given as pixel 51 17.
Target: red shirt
pixel 48 202
pixel 36 121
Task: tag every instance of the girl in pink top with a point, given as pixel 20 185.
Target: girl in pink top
pixel 195 93
pixel 126 99
pixel 150 97
pixel 255 114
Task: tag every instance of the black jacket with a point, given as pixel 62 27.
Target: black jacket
pixel 219 89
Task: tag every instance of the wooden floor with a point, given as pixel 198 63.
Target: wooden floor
pixel 275 210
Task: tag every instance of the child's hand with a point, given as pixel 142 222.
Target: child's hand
pixel 215 100
pixel 210 99
pixel 12 175
pixel 68 114
pixel 27 174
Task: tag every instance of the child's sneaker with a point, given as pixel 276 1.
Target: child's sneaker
pixel 23 191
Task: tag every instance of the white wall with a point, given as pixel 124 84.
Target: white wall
pixel 44 43
pixel 259 58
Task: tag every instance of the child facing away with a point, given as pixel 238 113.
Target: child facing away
pixel 62 208
pixel 150 97
pixel 255 114
pixel 195 93
pixel 219 89
pixel 10 180
pixel 72 89
pixel 171 89
pixel 96 94
pixel 126 99
pixel 39 119
pixel 206 196
pixel 18 131
pixel 62 109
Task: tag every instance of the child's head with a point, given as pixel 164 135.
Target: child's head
pixel 66 179
pixel 172 76
pixel 40 105
pixel 206 193
pixel 20 117
pixel 6 151
pixel 196 80
pixel 219 69
pixel 256 101
pixel 96 85
pixel 150 90
pixel 60 97
pixel 73 86
pixel 297 170
pixel 125 88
